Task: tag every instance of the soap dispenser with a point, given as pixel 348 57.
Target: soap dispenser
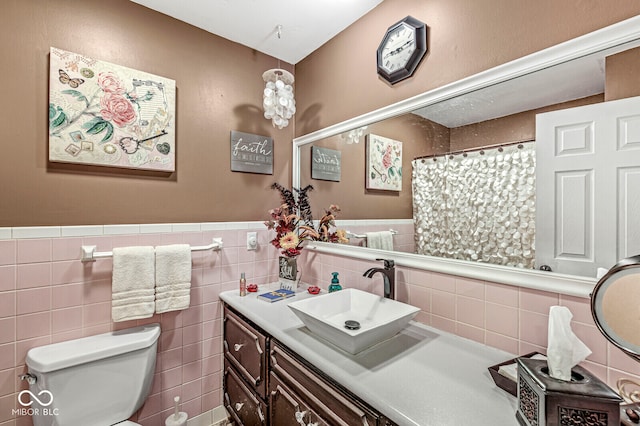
pixel 335 283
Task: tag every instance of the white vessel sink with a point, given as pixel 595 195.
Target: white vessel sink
pixel 379 319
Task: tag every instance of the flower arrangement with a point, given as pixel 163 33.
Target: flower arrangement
pixel 325 224
pixel 293 222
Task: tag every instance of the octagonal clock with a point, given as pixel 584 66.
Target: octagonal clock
pixel 401 49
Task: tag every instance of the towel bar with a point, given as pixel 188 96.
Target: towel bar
pixel 352 235
pixel 89 253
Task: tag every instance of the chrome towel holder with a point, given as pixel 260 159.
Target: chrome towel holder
pixel 89 253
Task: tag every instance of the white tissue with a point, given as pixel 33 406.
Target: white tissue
pixel 564 349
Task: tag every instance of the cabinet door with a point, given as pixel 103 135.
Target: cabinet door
pixel 288 408
pixel 245 348
pixel 324 398
pixel 243 405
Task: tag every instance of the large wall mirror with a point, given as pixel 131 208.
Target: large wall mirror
pixel 493 107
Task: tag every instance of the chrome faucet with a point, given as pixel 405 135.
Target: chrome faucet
pixel 389 277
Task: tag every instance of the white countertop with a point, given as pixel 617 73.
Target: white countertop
pixel 422 376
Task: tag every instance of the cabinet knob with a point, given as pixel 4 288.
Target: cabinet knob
pixel 237 346
pixel 300 417
pixel 239 406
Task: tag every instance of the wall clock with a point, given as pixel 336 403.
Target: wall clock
pixel 401 49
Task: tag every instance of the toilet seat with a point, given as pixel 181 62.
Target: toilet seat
pixel 127 423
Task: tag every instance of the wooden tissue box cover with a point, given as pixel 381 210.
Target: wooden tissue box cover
pixel 504 382
pixel 545 401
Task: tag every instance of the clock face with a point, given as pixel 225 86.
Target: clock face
pixel 401 49
pixel 400 45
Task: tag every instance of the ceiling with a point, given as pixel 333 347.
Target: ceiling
pixel 564 82
pixel 578 78
pixel 305 25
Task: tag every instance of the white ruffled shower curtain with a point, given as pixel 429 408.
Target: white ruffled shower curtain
pixel 479 206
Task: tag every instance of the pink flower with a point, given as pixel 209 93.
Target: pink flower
pixel 109 83
pixel 386 160
pixel 117 108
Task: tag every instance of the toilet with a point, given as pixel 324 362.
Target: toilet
pixel 98 380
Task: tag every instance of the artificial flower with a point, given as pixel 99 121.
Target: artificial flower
pixel 289 241
pixel 293 222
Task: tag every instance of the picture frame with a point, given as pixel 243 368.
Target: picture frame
pixel 326 164
pixel 251 153
pixel 383 163
pixel 104 114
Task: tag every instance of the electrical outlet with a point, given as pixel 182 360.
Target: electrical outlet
pixel 252 240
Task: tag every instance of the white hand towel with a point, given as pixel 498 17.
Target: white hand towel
pixel 382 240
pixel 132 287
pixel 173 277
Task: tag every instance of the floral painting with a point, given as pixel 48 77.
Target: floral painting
pixel 109 115
pixel 384 163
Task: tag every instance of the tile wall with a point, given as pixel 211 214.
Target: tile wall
pixel 47 295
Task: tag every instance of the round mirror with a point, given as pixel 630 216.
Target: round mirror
pixel 615 305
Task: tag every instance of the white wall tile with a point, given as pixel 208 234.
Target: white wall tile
pixel 35 232
pixel 121 229
pixel 81 231
pixel 185 227
pixel 156 228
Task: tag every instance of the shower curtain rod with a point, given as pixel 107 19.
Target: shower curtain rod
pixel 465 151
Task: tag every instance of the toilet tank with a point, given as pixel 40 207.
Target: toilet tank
pixel 97 380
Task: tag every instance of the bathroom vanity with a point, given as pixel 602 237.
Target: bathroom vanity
pixel 277 372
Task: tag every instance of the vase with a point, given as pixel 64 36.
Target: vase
pixel 288 272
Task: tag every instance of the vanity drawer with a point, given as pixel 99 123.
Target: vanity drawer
pixel 324 398
pixel 288 408
pixel 245 349
pixel 243 405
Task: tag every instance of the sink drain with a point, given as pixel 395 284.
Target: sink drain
pixel 351 325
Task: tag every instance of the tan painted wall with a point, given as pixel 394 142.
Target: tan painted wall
pixel 339 80
pixel 623 76
pixel 519 127
pixel 219 89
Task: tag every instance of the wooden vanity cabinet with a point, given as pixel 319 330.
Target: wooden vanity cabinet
pixel 245 371
pixel 322 397
pixel 289 408
pixel 245 348
pixel 265 383
pixel 243 405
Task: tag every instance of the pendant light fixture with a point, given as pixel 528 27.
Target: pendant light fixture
pixel 278 101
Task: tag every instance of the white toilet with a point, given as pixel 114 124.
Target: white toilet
pixel 97 380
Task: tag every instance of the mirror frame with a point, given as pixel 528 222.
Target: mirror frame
pixel 615 38
pixel 623 268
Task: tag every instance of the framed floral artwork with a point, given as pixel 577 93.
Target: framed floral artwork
pixel 384 163
pixel 109 115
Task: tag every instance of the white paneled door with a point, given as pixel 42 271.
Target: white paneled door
pixel 588 186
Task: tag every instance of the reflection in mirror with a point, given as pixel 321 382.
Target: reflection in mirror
pixel 479 205
pixel 419 137
pixel 495 107
pixel 614 305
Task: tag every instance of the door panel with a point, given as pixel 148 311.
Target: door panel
pixel 586 178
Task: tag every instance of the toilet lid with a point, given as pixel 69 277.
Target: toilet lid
pixel 127 423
